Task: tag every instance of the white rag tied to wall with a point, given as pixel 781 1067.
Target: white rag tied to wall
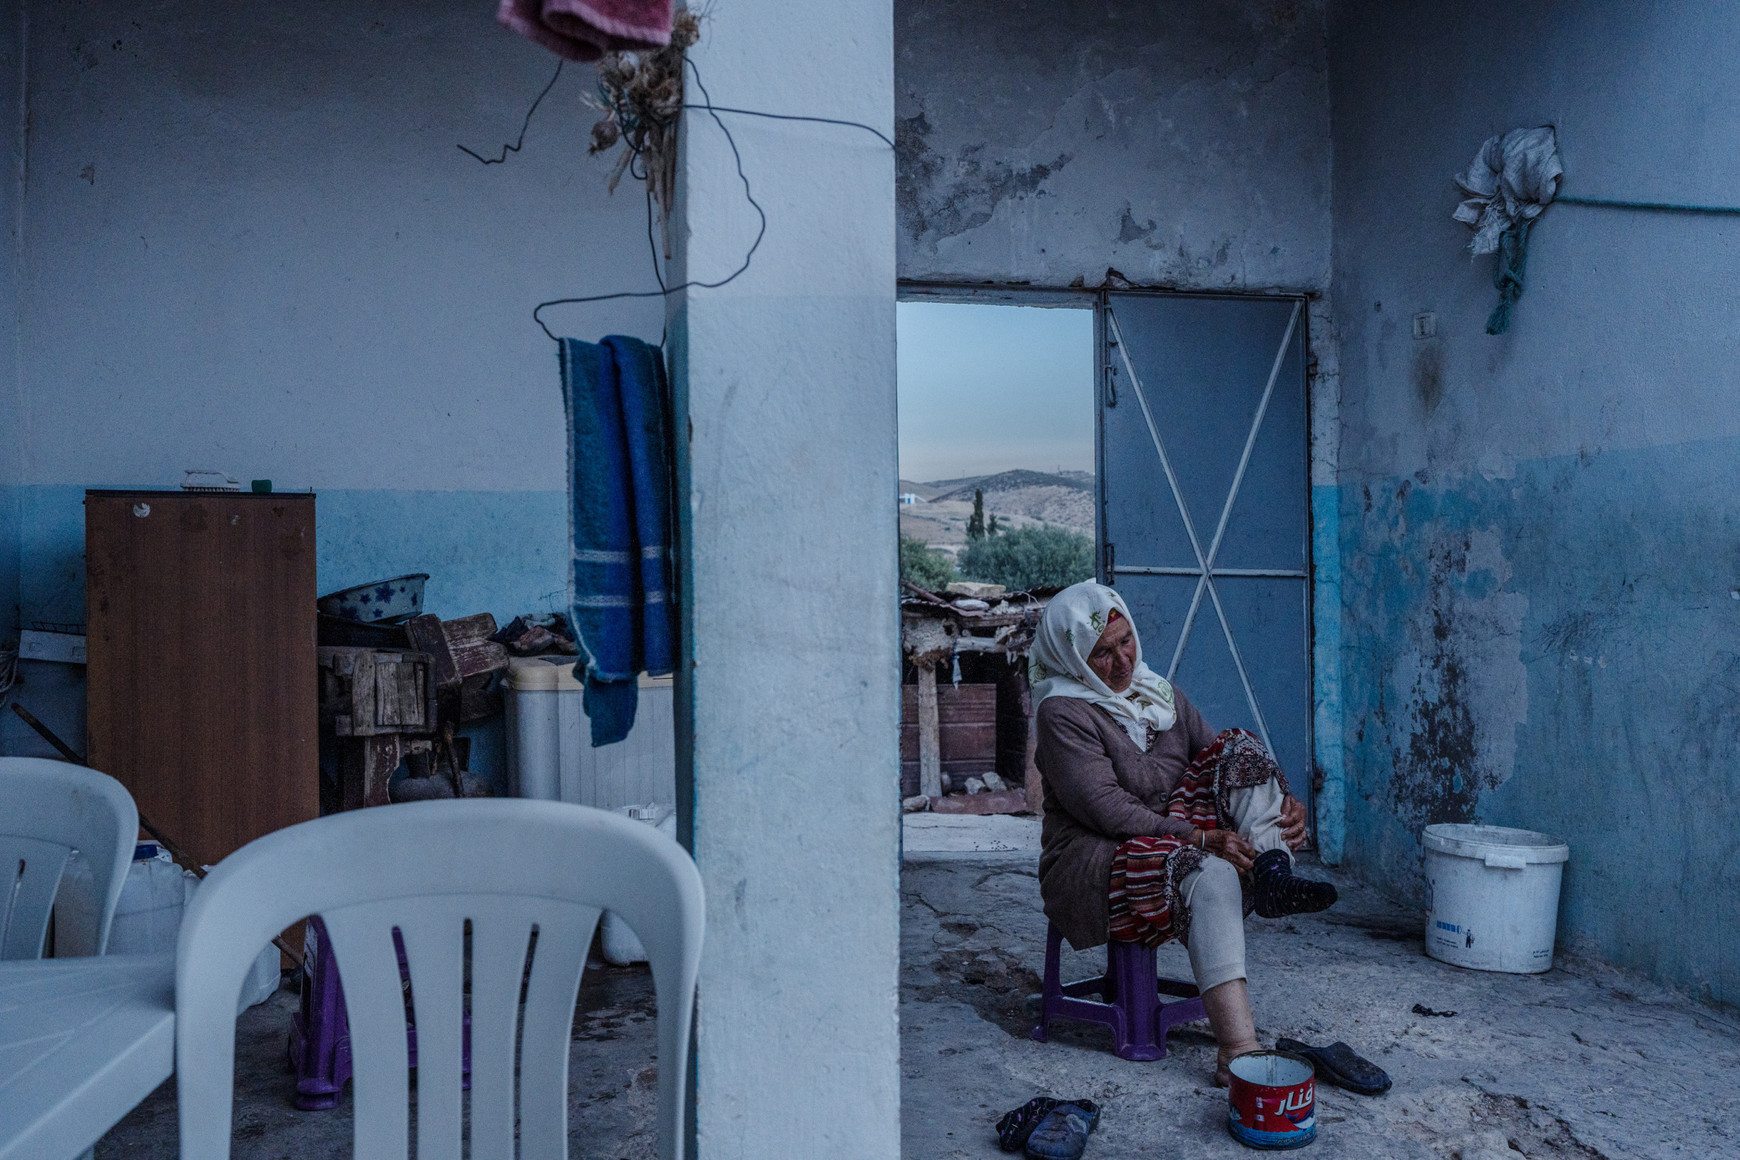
pixel 1510 181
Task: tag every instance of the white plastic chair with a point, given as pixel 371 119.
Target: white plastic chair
pixel 506 867
pixel 48 809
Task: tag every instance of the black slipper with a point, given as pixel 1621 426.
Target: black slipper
pixel 1014 1128
pixel 1340 1065
pixel 1063 1133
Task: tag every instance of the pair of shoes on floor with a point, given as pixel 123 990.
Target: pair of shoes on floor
pixel 1044 1128
pixel 1341 1065
pixel 1280 892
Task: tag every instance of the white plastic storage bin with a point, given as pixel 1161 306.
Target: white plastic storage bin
pixel 549 741
pixel 1494 896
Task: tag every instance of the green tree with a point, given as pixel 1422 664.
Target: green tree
pixel 976 523
pixel 926 567
pixel 1037 556
pixel 991 527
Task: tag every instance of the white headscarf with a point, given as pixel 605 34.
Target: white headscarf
pixel 1057 665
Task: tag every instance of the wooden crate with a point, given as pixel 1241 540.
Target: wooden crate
pixel 367 691
pixel 967 732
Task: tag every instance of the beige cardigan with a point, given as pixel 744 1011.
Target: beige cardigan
pixel 1099 791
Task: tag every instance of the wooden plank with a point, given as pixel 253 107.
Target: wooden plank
pixel 201 676
pixel 929 744
pixel 400 701
pixel 1011 723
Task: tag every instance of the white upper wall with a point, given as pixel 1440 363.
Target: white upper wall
pixel 251 244
pixel 1185 145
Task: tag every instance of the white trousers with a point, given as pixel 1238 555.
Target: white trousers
pixel 1217 918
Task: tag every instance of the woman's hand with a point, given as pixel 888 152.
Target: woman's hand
pixel 1226 844
pixel 1293 822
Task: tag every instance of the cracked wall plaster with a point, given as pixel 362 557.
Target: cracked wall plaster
pixel 1185 146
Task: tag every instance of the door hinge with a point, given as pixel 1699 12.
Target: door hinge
pixel 1111 385
pixel 1111 569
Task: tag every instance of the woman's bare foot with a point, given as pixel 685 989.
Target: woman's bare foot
pixel 1229 1016
pixel 1222 1075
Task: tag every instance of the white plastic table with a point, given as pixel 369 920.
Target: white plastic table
pixel 82 1041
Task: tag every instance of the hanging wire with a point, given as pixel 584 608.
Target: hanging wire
pixel 693 284
pixel 1660 206
pixel 8 671
pixel 515 147
pixel 712 108
pixel 664 290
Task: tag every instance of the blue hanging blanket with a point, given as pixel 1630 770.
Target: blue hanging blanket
pixel 619 463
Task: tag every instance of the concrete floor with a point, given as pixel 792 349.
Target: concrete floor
pixel 1581 1063
pixel 1575 1064
pixel 612 1078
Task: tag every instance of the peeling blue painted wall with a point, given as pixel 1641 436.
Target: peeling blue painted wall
pixel 1540 545
pixel 501 552
pixel 1329 806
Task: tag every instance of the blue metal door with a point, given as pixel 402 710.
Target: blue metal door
pixel 1204 504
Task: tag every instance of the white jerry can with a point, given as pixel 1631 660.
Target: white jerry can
pixel 1493 896
pixel 147 917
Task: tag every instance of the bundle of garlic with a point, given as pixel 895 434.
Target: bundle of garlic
pixel 641 94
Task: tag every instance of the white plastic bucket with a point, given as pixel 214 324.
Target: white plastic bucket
pixel 1493 896
pixel 616 940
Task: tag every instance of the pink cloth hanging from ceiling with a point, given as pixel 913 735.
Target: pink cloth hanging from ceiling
pixel 587 29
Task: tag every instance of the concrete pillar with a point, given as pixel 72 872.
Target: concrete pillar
pixel 790 687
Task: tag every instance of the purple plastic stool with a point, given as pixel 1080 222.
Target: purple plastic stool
pixel 320 1031
pixel 1130 991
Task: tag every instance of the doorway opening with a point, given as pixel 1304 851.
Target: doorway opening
pixel 1188 416
pixel 1155 441
pixel 997 509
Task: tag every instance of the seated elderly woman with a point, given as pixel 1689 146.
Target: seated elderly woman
pixel 1151 819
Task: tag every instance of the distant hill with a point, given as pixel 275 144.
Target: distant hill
pixel 948 489
pixel 1017 498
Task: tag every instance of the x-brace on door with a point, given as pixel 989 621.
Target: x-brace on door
pixel 1204 503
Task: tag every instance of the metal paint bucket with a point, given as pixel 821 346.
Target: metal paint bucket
pixel 1274 1100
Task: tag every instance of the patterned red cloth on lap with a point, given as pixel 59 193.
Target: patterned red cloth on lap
pixel 1146 872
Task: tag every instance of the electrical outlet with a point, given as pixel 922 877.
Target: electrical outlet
pixel 1425 325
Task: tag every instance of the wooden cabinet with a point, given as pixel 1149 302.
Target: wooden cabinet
pixel 200 610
